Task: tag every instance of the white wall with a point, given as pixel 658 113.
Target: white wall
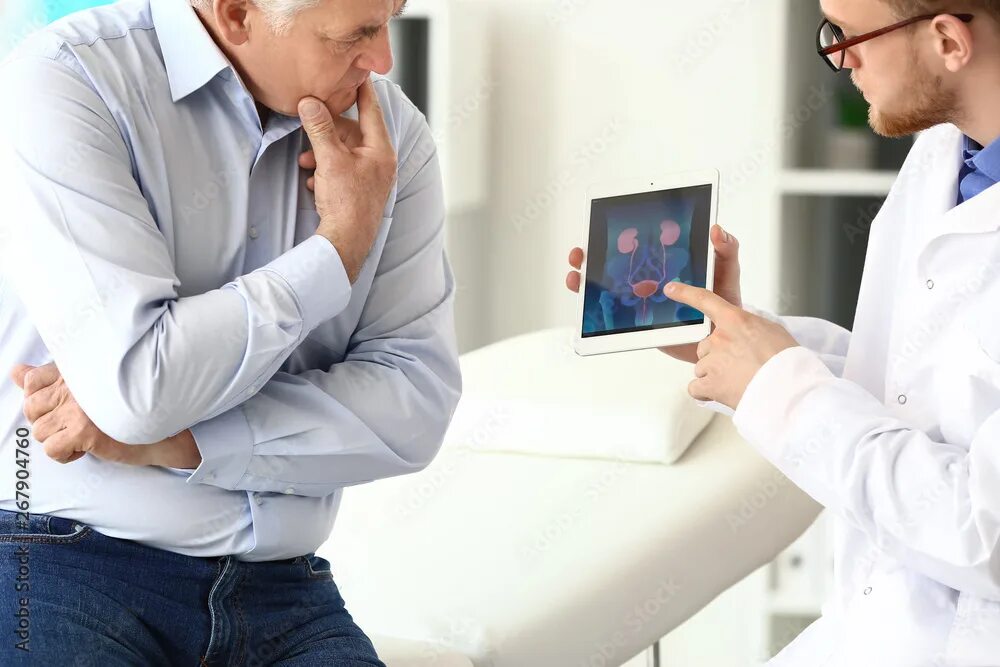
pixel 584 91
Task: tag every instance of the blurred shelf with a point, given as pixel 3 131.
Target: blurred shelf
pixel 442 64
pixel 828 182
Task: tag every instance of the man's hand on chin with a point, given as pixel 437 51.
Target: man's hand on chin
pixel 67 433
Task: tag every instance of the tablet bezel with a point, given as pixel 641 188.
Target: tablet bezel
pixel 666 337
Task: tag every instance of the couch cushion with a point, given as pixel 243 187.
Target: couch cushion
pixel 406 653
pixel 531 561
pixel 534 395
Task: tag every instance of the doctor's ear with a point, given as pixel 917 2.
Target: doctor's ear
pixel 953 41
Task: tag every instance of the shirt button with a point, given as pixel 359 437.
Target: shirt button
pixel 902 399
pixel 253 233
pixel 257 499
pixel 868 590
pixel 930 284
pixel 290 490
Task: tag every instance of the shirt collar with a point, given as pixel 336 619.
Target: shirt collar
pixel 986 160
pixel 191 56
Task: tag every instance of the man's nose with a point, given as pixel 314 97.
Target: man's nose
pixel 378 57
pixel 851 60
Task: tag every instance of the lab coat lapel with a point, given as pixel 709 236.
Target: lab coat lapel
pixel 933 189
pixel 932 185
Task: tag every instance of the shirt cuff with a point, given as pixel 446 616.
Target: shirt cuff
pixel 316 274
pixel 226 445
pixel 770 399
pixel 715 406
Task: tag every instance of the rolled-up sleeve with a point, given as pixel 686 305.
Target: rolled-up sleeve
pixel 80 248
pixel 383 410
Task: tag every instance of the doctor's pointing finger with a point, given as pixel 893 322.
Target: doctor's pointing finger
pixel 738 348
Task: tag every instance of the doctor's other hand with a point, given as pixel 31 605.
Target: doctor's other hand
pixel 740 344
pixel 727 281
pixel 353 174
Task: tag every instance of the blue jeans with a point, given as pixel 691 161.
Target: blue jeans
pixel 73 597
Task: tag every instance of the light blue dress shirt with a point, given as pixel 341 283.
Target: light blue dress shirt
pixel 980 169
pixel 160 247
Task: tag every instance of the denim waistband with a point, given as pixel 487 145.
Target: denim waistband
pixel 29 523
pixel 13 522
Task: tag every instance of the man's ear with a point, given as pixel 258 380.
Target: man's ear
pixel 232 20
pixel 953 41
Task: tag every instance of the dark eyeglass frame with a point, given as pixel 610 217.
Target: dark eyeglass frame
pixel 841 47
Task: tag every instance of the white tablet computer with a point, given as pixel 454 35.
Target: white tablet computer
pixel 640 237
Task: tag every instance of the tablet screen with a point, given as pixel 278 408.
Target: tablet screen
pixel 639 243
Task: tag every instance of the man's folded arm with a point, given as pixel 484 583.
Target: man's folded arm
pixel 81 250
pixel 384 409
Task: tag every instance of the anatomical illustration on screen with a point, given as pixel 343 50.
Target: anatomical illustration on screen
pixel 648 243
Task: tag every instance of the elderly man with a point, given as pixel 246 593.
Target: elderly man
pixel 212 325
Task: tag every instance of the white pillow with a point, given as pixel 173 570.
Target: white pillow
pixel 533 394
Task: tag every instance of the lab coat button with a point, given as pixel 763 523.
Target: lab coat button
pixel 930 284
pixel 868 590
pixel 902 399
pixel 253 233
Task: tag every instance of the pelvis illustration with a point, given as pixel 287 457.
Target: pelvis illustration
pixel 647 260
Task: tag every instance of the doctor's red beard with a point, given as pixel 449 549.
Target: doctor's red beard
pixel 927 103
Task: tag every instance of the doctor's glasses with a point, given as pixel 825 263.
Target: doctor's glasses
pixel 832 43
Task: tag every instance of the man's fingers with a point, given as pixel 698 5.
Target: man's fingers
pixel 726 245
pixel 17 375
pixel 307 160
pixel 46 427
pixel 718 309
pixel 704 347
pixel 40 403
pixel 373 130
pixel 349 131
pixel 576 258
pixel 60 449
pixel 39 378
pixel 573 281
pixel 699 389
pixel 318 123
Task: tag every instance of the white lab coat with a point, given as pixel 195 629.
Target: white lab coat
pixel 895 429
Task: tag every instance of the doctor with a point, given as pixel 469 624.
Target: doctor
pixel 894 427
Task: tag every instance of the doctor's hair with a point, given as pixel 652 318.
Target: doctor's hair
pixel 907 8
pixel 279 13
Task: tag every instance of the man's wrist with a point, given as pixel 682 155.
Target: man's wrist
pixel 349 265
pixel 179 451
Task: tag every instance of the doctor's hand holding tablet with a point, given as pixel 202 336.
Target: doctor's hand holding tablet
pixel 658 272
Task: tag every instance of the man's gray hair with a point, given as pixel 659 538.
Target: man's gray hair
pixel 279 13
